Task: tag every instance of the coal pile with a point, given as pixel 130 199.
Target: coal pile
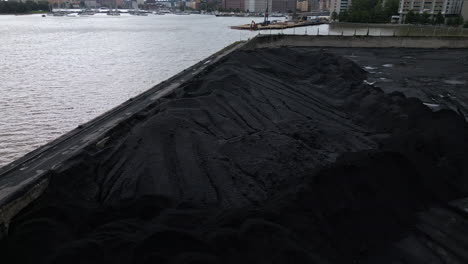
pixel 277 155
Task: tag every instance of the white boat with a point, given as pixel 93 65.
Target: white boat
pixel 103 10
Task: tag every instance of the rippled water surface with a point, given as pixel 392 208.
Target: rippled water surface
pixel 59 72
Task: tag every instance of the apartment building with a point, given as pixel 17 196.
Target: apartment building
pixel 432 7
pixel 283 6
pixel 233 4
pixel 302 6
pixel 340 5
pixel 257 5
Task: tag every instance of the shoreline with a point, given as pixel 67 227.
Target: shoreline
pixel 18 188
pixel 26 14
pixel 277 26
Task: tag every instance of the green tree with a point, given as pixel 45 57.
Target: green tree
pixel 439 19
pixel 10 7
pixel 379 15
pixel 334 16
pixel 450 21
pixel 455 21
pixel 391 7
pixel 371 11
pixel 359 16
pixel 410 17
pixel 343 17
pixel 417 18
pixel 43 6
pixel 424 18
pixel 31 6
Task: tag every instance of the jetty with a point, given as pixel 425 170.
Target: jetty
pixel 276 25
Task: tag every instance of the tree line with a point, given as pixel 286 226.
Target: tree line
pixel 368 11
pixel 10 7
pixel 425 19
pixel 373 11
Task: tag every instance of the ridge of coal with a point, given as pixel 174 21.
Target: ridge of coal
pixel 273 156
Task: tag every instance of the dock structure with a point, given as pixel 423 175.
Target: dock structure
pixel 278 25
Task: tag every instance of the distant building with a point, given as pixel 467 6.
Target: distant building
pixel 258 6
pixel 153 4
pixel 156 4
pixel 192 4
pixel 108 3
pixel 90 3
pixel 233 5
pixel 63 3
pixel 432 7
pixel 249 5
pixel 20 1
pixel 324 5
pixel 464 11
pixel 283 6
pixel 303 6
pixel 314 5
pixel 165 4
pixel 341 5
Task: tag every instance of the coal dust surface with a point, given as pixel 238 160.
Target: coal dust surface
pixel 284 155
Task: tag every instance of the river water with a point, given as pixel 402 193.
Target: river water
pixel 59 72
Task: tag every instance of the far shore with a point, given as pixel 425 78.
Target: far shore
pixel 26 14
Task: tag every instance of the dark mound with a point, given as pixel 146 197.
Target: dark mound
pixel 270 156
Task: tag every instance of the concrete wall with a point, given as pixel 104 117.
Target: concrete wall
pixel 263 41
pixel 464 11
